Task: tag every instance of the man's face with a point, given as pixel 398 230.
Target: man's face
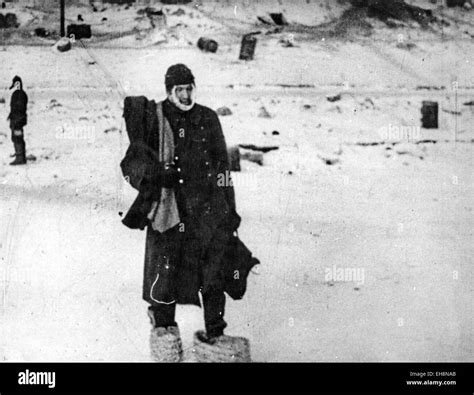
pixel 183 93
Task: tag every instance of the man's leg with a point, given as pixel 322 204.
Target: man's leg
pixel 162 315
pixel 19 144
pixel 214 309
pixel 212 345
pixel 158 291
pixel 165 339
pixel 213 284
pixel 22 146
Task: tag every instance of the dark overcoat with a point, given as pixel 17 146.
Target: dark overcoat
pixel 189 257
pixel 18 105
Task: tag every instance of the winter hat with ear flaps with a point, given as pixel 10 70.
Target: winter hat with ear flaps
pixel 178 74
pixel 15 80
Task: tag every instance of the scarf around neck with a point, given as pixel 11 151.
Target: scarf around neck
pixel 174 99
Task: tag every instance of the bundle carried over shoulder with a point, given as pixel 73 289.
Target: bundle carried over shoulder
pixel 141 164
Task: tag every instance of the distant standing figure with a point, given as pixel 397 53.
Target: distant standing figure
pixel 18 118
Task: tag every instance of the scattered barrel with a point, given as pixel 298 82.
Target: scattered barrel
pixel 157 18
pixel 429 115
pixel 207 45
pixel 79 31
pixel 279 19
pixel 63 45
pixel 11 20
pixel 41 32
pixel 247 48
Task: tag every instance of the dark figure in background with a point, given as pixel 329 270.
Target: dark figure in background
pixel 18 118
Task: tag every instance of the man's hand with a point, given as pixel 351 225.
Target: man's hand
pixel 169 176
pixel 165 176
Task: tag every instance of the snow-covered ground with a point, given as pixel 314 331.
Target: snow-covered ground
pixel 397 214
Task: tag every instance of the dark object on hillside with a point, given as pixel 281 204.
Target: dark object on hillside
pixel 207 45
pixel 79 31
pixel 430 88
pixel 3 4
pixel 452 112
pixel 104 19
pixel 234 158
pixel 275 133
pixel 329 160
pixel 2 100
pixel 407 46
pixel 265 20
pixel 469 103
pixel 112 129
pixel 429 115
pixel 42 32
pixel 157 17
pixel 288 42
pixel 396 9
pixel 247 48
pixel 455 3
pixel 63 45
pixel 150 11
pixel 179 12
pixel 175 1
pixel 79 18
pixel 259 148
pixel 263 113
pixel 279 19
pixel 223 111
pixel 11 20
pixel 334 98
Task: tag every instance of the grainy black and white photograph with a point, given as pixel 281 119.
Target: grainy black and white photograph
pixel 236 181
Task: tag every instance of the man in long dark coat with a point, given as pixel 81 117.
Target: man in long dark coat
pixel 187 259
pixel 18 117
